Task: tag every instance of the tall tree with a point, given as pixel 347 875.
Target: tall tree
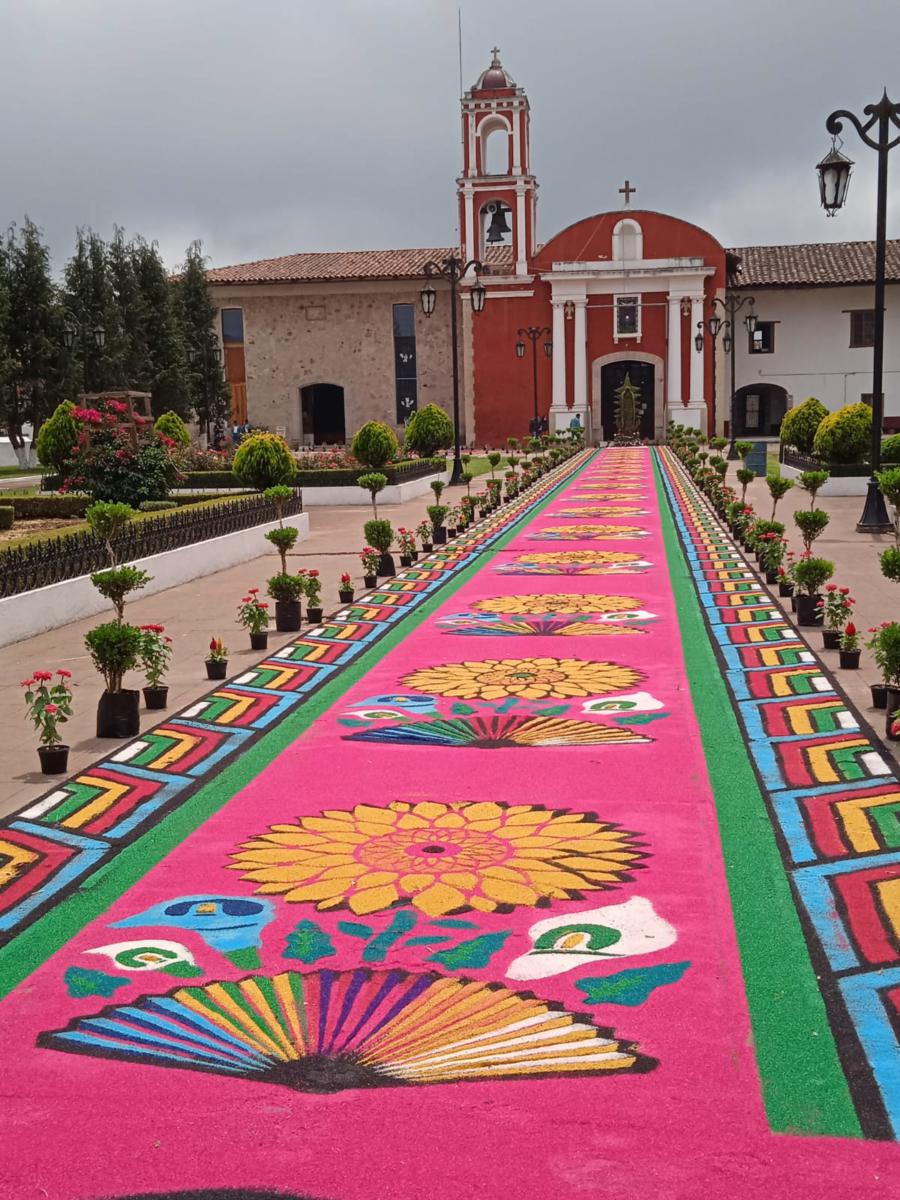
pixel 167 374
pixel 92 312
pixel 37 375
pixel 210 394
pixel 129 347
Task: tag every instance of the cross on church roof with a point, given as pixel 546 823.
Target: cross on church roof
pixel 496 53
pixel 627 191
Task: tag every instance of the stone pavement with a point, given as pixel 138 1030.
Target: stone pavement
pixel 192 613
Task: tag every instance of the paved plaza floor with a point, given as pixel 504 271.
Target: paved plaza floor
pixel 559 865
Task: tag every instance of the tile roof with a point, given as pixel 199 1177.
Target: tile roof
pixel 815 264
pixel 344 264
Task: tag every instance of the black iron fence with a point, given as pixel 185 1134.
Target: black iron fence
pixel 806 462
pixel 23 568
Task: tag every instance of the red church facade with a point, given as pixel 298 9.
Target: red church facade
pixel 618 293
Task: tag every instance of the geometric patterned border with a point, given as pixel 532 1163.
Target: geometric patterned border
pixel 54 844
pixel 832 795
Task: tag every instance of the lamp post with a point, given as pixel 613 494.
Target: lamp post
pixel 75 330
pixel 453 269
pixel 208 353
pixel 534 333
pixel 834 179
pixel 715 325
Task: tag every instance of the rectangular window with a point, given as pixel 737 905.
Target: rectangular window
pixel 628 316
pixel 232 326
pixel 762 339
pixel 405 378
pixel 862 327
pixel 751 412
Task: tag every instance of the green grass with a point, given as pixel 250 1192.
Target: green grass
pixel 12 472
pixel 773 466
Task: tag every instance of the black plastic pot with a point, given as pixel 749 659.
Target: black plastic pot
pixel 345 595
pixel 386 565
pixel 439 533
pixel 119 714
pixel 808 612
pixel 879 695
pixel 406 560
pixel 155 697
pixel 451 531
pixel 287 615
pixel 216 668
pixel 785 589
pixel 314 615
pixel 54 759
pixel 427 547
pixel 370 580
pixel 259 641
pixel 831 639
pixel 850 659
pixel 771 576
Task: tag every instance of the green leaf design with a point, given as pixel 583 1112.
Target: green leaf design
pixel 80 982
pixel 308 942
pixel 630 987
pixel 355 929
pixel 476 952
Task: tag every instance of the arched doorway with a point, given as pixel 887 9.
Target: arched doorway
pixel 612 376
pixel 758 410
pixel 322 414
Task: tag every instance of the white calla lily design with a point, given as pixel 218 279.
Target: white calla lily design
pixel 633 702
pixel 151 954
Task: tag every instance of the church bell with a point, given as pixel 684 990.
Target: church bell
pixel 499 225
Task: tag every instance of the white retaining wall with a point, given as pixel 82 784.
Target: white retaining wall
pixel 50 607
pixel 837 485
pixel 397 493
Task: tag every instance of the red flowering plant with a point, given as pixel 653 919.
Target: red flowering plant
pixel 119 456
pixel 850 637
pixel 218 651
pixel 253 613
pixel 772 550
pixel 312 585
pixel 406 540
pixel 155 654
pixel 423 532
pixel 837 606
pixel 346 581
pixel 48 703
pixel 371 558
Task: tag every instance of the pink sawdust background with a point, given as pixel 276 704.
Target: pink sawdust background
pixel 79 1128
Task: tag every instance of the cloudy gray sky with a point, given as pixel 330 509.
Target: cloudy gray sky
pixel 270 126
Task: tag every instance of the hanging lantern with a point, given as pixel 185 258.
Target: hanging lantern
pixel 834 179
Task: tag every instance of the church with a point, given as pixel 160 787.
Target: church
pixel 315 344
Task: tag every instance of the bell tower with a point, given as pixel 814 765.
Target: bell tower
pixel 497 192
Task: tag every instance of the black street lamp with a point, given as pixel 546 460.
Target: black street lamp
pixel 452 269
pixel 834 179
pixel 75 330
pixel 534 333
pixel 209 354
pixel 715 325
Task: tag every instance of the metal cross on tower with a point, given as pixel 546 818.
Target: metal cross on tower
pixel 627 191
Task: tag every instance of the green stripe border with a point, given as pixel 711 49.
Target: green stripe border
pixel 804 1087
pixel 38 941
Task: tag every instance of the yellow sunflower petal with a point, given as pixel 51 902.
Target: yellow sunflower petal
pixel 507 892
pixel 439 899
pixel 482 904
pixel 429 810
pixel 415 882
pixel 323 889
pixel 373 899
pixel 381 816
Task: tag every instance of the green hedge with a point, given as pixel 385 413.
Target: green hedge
pixel 343 477
pixel 31 508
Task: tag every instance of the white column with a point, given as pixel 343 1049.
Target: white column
pixel 694 413
pixel 521 243
pixel 581 404
pixel 559 415
pixel 673 361
pixel 516 143
pixel 469 203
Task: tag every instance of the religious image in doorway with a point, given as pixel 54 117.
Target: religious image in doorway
pixel 628 408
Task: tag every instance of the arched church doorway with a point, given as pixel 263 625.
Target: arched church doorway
pixel 322 412
pixel 643 377
pixel 758 410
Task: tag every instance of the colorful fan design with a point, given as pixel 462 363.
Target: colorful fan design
pixel 474 625
pixel 499 732
pixel 329 1031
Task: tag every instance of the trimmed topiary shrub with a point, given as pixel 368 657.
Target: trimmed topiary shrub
pixel 57 437
pixel 263 460
pixel 799 425
pixel 428 430
pixel 890 449
pixel 379 534
pixel 170 425
pixel 7 516
pixel 845 436
pixel 374 445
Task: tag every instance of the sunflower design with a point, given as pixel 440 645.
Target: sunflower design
pixel 600 510
pixel 574 532
pixel 591 557
pixel 441 858
pixel 528 678
pixel 558 602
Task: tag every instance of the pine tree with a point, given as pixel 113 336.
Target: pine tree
pixel 131 352
pixel 167 376
pixel 91 307
pixel 210 394
pixel 36 378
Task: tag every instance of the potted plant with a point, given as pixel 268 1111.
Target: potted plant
pixel 494 458
pixel 877 645
pixel 253 614
pixel 772 555
pixel 284 540
pixel 115 648
pixel 778 486
pixel 437 487
pixel 810 522
pixel 380 535
pixel 373 482
pixel 406 540
pixel 436 514
pixel 423 532
pixel 286 591
pixel 810 574
pixel 811 482
pixel 312 585
pixel 786 576
pixel 889 640
pixel 837 606
pixel 49 705
pixel 892 726
pixel 370 559
pixel 116 582
pixel 485 504
pixel 745 477
pixel 345 591
pixel 216 659
pixel 850 650
pixel 494 487
pixel 156 651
